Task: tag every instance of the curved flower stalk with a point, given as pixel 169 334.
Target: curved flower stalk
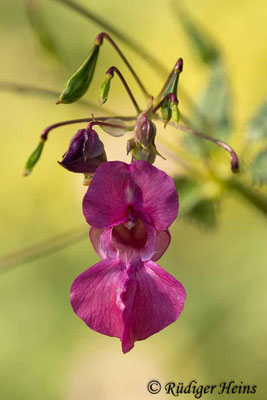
pixel 127 294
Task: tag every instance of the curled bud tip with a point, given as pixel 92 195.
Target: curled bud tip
pixel 59 102
pixel 165 121
pixel 179 65
pixel 234 163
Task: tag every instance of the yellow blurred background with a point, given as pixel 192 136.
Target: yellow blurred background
pixel 46 352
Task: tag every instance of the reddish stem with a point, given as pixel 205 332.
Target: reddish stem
pixel 225 146
pixel 99 41
pixel 111 71
pixel 167 97
pixel 46 131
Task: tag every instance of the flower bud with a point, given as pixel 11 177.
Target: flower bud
pixel 166 111
pixel 175 112
pixel 145 130
pixel 34 157
pixel 105 89
pixel 80 81
pixel 85 153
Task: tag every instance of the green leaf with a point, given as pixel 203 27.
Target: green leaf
pixel 258 167
pixel 214 104
pixel 257 127
pixel 194 205
pixel 201 42
pixel 80 81
pixel 204 214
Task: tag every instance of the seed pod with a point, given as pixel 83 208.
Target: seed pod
pixel 80 81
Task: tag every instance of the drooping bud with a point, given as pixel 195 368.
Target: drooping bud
pixel 105 89
pixel 80 81
pixel 85 153
pixel 34 157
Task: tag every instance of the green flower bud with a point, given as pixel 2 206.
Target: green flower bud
pixel 175 112
pixel 34 157
pixel 166 112
pixel 105 89
pixel 172 87
pixel 80 81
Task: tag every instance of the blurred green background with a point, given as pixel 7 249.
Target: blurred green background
pixel 46 352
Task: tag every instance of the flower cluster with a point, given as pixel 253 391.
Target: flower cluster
pixel 128 207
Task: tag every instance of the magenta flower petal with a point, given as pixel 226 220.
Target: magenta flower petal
pixel 116 187
pixel 95 297
pixel 163 241
pixel 154 194
pixel 105 202
pixel 153 300
pixel 129 302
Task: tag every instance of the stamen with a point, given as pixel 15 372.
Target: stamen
pixel 129 224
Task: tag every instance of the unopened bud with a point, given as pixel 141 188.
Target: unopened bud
pixel 105 89
pixel 166 112
pixel 175 112
pixel 80 81
pixel 145 130
pixel 85 153
pixel 34 157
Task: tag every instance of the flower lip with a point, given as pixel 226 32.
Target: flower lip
pixel 149 191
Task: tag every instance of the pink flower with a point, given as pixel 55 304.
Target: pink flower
pixel 127 294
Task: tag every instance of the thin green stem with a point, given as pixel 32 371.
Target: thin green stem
pixel 42 249
pixel 39 91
